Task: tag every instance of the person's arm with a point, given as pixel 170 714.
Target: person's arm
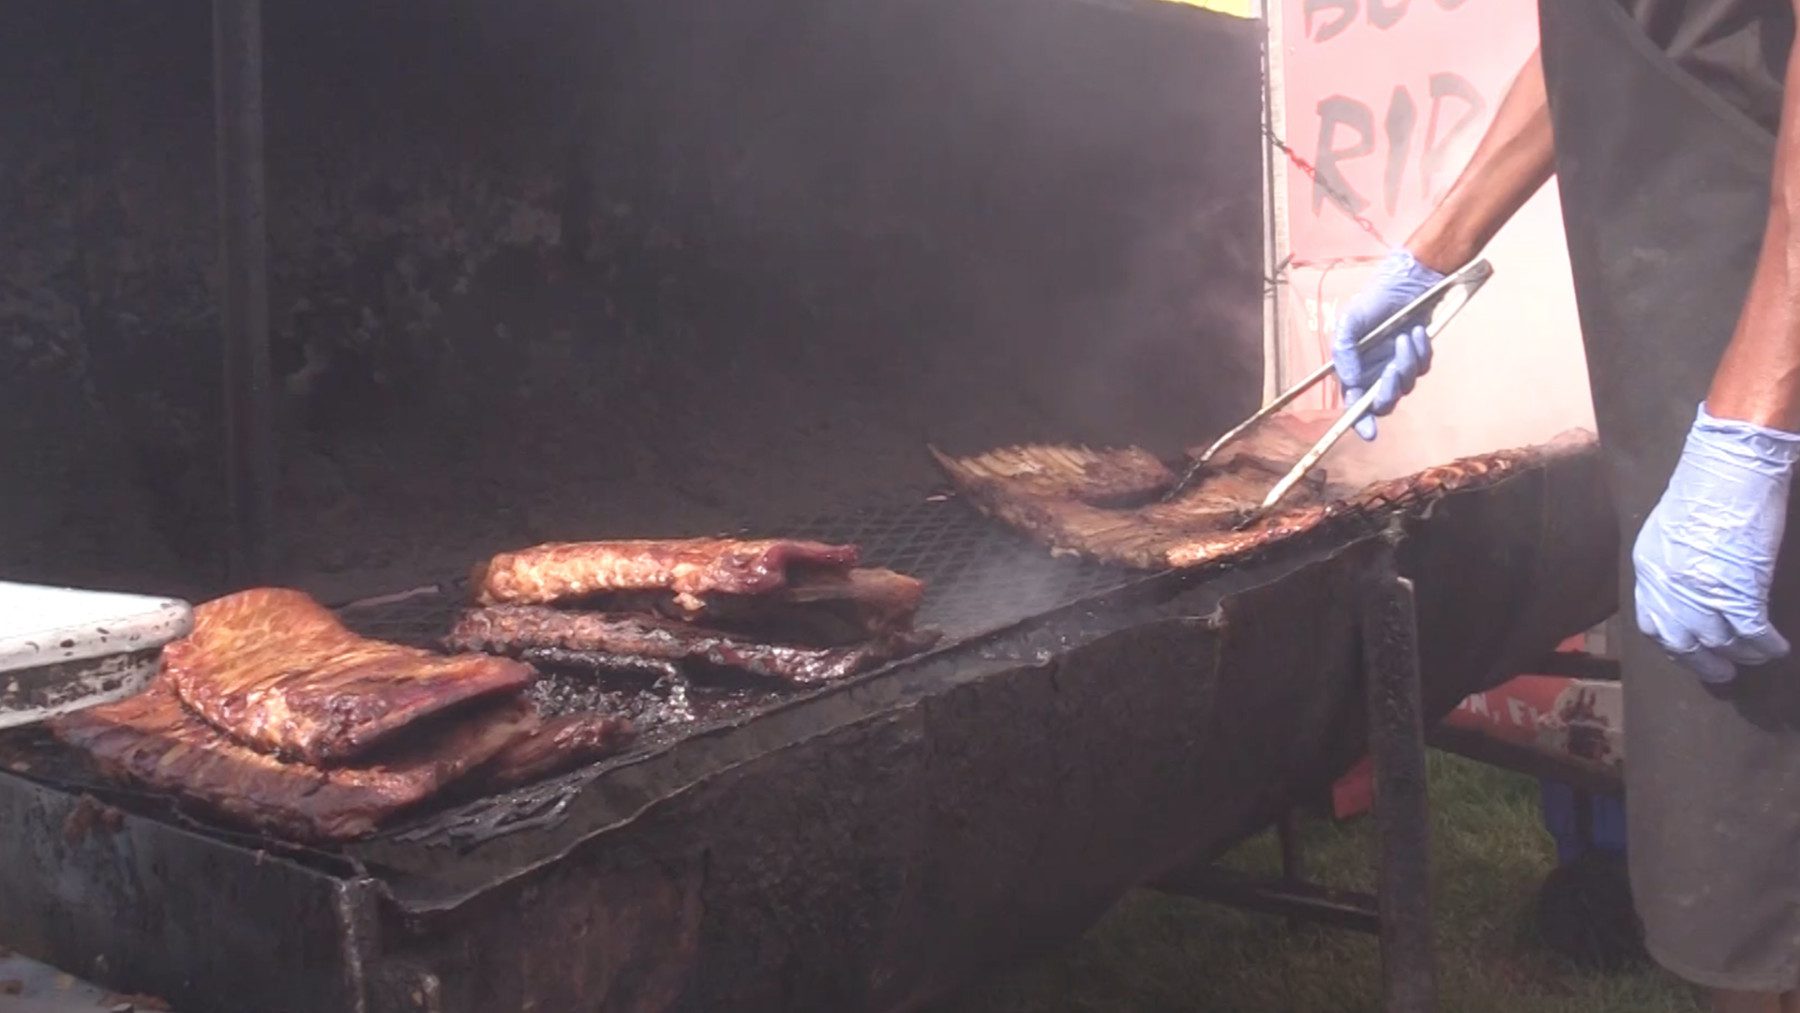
pixel 1514 160
pixel 1705 558
pixel 1758 380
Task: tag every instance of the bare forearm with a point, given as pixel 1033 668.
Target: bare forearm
pixel 1758 380
pixel 1514 160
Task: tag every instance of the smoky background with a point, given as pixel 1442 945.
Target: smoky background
pixel 557 269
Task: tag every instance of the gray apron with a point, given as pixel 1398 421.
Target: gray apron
pixel 1665 192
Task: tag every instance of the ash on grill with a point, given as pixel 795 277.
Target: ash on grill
pixel 657 698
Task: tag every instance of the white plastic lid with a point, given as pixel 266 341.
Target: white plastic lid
pixel 42 625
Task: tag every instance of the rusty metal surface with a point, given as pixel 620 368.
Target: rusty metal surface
pixel 119 898
pixel 992 809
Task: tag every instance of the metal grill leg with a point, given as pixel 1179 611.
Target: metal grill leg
pixel 1287 834
pixel 1397 748
pixel 1293 866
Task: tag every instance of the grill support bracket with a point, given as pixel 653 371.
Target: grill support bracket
pixel 1402 813
pixel 1400 910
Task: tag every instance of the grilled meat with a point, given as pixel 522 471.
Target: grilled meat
pixel 152 740
pixel 559 572
pixel 824 609
pixel 1371 502
pixel 1018 482
pixel 278 672
pixel 1205 525
pixel 600 639
pixel 1002 484
pixel 559 744
pixel 1122 476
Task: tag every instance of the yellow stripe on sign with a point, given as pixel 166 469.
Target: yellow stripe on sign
pixel 1239 8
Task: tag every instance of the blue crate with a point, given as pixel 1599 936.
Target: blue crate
pixel 1607 831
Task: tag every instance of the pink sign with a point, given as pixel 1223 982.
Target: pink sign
pixel 1387 99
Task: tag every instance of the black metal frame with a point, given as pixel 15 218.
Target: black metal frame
pixel 244 287
pixel 1400 911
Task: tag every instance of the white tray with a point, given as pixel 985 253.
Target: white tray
pixel 64 648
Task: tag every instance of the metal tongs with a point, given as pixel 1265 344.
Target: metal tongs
pixel 1439 304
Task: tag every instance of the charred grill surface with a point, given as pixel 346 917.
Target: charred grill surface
pixel 602 638
pixel 626 666
pixel 660 703
pixel 278 672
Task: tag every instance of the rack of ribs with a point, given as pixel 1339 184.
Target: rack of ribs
pixel 564 571
pixel 273 716
pixel 275 670
pixel 795 611
pixel 1215 519
pixel 152 740
pixel 827 608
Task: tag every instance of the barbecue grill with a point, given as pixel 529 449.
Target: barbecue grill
pixel 867 845
pixel 1041 224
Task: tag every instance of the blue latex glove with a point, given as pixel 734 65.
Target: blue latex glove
pixel 1390 366
pixel 1706 555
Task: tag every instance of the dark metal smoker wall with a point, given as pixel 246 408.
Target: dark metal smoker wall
pixel 554 268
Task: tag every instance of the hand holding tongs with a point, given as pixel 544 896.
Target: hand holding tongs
pixel 1439 304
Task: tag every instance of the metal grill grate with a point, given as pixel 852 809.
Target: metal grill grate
pixel 979 576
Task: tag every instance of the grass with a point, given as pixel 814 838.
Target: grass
pixel 1490 852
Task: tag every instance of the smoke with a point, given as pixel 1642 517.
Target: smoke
pixel 1023 219
pixel 1173 351
pixel 570 269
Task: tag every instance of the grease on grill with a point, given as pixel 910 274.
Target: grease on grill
pixel 658 699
